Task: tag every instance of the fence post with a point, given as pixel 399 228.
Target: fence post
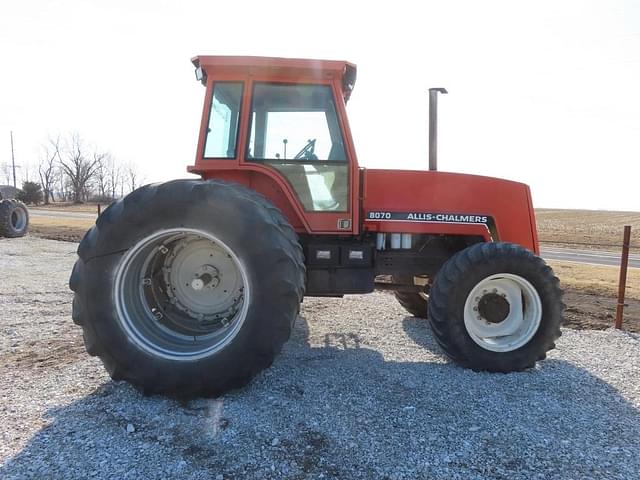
pixel 622 283
pixel 98 209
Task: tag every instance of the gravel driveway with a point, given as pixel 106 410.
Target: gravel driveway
pixel 360 391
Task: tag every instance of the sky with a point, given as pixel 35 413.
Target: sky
pixel 545 92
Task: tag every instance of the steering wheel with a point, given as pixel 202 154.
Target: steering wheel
pixel 307 152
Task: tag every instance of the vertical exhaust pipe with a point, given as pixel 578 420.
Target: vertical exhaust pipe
pixel 433 126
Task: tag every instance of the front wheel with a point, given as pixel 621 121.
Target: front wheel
pixel 496 307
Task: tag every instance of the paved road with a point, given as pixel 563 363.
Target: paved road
pixel 588 256
pixel 37 212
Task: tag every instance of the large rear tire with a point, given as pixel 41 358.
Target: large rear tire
pixel 188 288
pixel 496 307
pixel 14 219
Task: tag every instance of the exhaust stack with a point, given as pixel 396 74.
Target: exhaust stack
pixel 433 126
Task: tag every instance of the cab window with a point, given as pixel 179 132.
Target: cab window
pixel 222 131
pixel 295 129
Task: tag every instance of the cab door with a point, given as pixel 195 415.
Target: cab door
pixel 295 129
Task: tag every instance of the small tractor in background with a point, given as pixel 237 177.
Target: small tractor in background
pixel 191 287
pixel 14 218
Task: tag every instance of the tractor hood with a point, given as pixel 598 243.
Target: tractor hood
pixel 448 203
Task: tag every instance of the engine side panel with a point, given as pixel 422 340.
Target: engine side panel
pixel 448 203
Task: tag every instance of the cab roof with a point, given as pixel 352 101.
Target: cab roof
pixel 293 68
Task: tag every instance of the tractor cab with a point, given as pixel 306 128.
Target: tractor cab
pixel 279 126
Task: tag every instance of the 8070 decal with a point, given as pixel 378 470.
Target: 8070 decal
pixel 428 217
pixel 379 216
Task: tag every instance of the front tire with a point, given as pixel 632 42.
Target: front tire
pixel 188 288
pixel 496 307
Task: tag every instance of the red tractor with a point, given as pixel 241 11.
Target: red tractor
pixel 191 287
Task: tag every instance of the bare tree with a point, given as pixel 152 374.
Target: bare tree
pixel 114 176
pixel 48 168
pixel 5 168
pixel 102 176
pixel 27 170
pixel 63 182
pixel 133 176
pixel 79 167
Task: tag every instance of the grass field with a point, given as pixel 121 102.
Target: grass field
pixel 73 207
pixel 57 228
pixel 587 228
pixel 596 279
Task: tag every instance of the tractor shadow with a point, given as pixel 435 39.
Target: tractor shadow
pixel 332 407
pixel 418 330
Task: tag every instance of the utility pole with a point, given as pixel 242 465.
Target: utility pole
pixel 13 161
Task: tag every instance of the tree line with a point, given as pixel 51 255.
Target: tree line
pixel 69 169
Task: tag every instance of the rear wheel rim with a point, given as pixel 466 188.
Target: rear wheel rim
pixel 491 326
pixel 181 294
pixel 18 219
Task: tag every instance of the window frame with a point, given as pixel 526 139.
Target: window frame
pixel 338 124
pixel 242 85
pixel 266 162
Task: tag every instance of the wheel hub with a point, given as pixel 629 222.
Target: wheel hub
pixel 493 307
pixel 202 280
pixel 207 276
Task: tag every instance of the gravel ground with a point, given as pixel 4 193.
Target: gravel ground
pixel 361 391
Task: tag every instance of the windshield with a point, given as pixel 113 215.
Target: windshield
pixel 295 122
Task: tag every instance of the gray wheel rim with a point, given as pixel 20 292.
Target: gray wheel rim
pixel 520 324
pixel 18 219
pixel 181 294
